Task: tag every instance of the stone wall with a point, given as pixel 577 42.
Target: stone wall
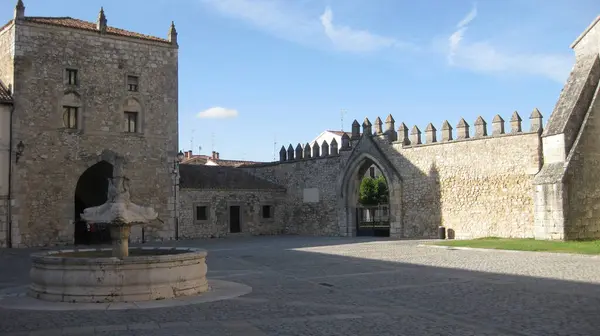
pixel 479 185
pixel 218 201
pixel 6 54
pixel 6 77
pixel 55 157
pixel 474 187
pixel 582 194
pixel 312 216
pixel 564 204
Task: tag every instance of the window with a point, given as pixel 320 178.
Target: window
pixel 201 213
pixel 70 116
pixel 132 83
pixel 372 172
pixel 266 211
pixel 131 122
pixel 72 77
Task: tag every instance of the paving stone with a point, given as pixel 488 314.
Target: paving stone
pixel 372 287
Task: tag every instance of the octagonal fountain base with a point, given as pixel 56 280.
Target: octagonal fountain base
pixel 93 275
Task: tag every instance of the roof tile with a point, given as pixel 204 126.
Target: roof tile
pixel 218 177
pixel 70 22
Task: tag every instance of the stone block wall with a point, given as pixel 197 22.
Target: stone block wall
pixel 581 180
pixel 473 187
pixel 55 157
pixel 218 202
pixel 316 214
pixel 7 48
pixel 479 185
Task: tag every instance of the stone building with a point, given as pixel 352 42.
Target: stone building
pixel 85 95
pixel 476 181
pixel 78 97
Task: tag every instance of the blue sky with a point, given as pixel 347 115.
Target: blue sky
pixel 283 70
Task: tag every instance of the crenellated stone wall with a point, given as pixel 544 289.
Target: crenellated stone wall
pixel 54 158
pixel 476 182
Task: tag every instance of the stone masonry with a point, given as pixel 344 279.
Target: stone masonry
pixel 35 56
pixel 488 178
pixel 477 180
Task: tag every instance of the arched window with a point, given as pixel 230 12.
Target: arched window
pixel 132 113
pixel 71 111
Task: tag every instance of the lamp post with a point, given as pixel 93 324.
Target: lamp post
pixel 180 157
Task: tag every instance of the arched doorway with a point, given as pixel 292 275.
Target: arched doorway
pixel 384 220
pixel 91 191
pixel 372 201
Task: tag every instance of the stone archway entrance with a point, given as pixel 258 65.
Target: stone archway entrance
pixel 372 204
pixel 367 154
pixel 91 190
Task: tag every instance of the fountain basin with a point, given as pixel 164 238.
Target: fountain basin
pixel 93 275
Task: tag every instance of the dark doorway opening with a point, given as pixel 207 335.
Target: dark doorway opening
pixel 91 191
pixel 234 219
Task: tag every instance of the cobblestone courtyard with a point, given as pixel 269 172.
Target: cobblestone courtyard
pixel 350 286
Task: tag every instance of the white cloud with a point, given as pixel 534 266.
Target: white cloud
pixel 347 39
pixel 455 39
pixel 484 57
pixel 281 18
pixel 290 20
pixel 311 26
pixel 218 113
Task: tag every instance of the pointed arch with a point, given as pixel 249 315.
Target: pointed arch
pixel 365 154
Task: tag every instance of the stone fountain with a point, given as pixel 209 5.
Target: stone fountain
pixel 119 274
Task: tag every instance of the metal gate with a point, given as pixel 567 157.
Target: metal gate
pixel 373 221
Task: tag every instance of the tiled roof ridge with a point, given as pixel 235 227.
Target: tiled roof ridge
pixel 70 22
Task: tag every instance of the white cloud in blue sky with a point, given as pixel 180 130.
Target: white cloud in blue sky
pixel 218 112
pixel 291 21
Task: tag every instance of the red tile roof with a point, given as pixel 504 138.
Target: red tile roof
pixel 70 22
pixel 6 25
pixel 203 159
pixel 5 96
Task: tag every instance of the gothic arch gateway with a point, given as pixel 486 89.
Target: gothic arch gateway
pixel 364 154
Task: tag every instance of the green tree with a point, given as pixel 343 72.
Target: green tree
pixel 373 191
pixel 368 192
pixel 381 190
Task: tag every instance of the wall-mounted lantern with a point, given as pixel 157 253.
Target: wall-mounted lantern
pixel 19 152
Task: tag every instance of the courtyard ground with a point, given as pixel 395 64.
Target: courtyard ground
pixel 350 286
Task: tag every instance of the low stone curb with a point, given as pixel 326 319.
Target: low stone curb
pixel 508 251
pixel 17 298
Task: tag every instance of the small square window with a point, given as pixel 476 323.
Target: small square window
pixel 267 211
pixel 131 120
pixel 132 83
pixel 70 116
pixel 201 213
pixel 72 77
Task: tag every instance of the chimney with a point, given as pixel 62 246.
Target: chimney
pixel 217 155
pixel 214 155
pixel 19 10
pixel 188 154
